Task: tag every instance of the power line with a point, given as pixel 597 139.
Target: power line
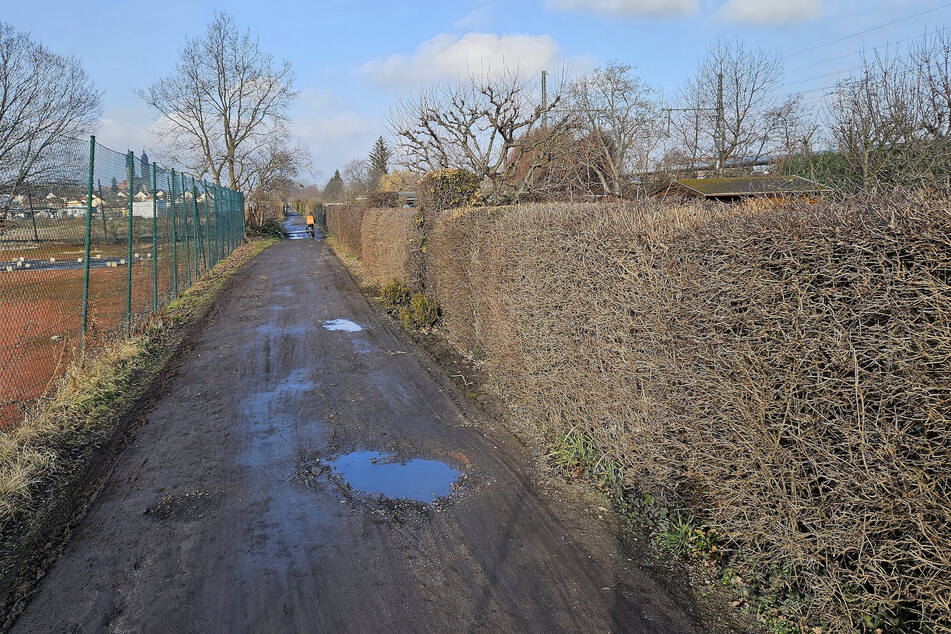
pixel 864 50
pixel 874 28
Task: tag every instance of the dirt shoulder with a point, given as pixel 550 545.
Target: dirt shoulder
pixel 54 464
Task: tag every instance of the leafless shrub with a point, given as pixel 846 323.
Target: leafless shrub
pixel 343 224
pixel 782 372
pixel 389 245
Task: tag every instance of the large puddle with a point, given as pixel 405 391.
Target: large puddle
pixel 378 473
pixel 342 324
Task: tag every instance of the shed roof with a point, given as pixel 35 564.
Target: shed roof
pixel 749 186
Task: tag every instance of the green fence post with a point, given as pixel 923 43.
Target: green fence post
pixel 241 214
pixel 85 309
pixel 154 238
pixel 226 208
pixel 219 236
pixel 233 219
pixel 199 247
pixel 130 162
pixel 213 247
pixel 174 237
pixel 188 249
pixel 238 220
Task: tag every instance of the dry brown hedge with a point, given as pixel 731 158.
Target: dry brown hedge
pixel 343 224
pixel 390 248
pixel 785 373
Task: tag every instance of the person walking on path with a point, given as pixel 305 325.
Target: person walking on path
pixel 310 224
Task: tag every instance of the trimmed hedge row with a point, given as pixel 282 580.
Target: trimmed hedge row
pixel 783 373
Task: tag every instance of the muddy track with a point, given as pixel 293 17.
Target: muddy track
pixel 227 514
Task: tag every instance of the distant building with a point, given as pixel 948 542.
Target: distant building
pixel 71 211
pixel 143 208
pixel 728 189
pixel 407 199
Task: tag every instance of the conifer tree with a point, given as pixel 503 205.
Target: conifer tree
pixel 379 162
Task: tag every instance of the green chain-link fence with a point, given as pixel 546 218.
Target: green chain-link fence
pixel 89 250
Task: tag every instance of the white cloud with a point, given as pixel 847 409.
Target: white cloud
pixel 122 129
pixel 475 19
pixel 331 128
pixel 650 8
pixel 333 132
pixel 772 11
pixel 445 56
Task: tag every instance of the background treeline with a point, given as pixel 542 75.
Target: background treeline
pixel 607 134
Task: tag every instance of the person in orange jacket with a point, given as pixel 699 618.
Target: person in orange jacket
pixel 310 224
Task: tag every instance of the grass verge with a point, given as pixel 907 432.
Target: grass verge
pixel 54 461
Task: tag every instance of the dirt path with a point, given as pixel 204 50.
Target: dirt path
pixel 224 516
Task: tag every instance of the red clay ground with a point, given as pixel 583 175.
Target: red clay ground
pixel 40 316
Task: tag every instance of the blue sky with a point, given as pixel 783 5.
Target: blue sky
pixel 353 59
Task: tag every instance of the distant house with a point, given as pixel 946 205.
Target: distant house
pixel 729 189
pixel 142 196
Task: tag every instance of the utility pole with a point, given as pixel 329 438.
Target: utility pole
pixel 720 131
pixel 545 98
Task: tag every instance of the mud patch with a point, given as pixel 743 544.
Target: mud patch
pixel 380 474
pixel 344 325
pixel 188 506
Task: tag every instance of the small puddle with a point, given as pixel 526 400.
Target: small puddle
pixel 375 472
pixel 342 324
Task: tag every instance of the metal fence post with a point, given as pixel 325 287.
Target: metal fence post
pixel 154 238
pixel 188 249
pixel 237 219
pixel 218 234
pixel 130 161
pixel 199 247
pixel 213 247
pixel 234 219
pixel 87 255
pixel 226 209
pixel 241 214
pixel 174 236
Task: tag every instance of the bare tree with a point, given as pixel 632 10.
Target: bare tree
pixel 892 123
pixel 488 124
pixel 45 100
pixel 272 180
pixel 748 122
pixel 356 178
pixel 620 125
pixel 223 104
